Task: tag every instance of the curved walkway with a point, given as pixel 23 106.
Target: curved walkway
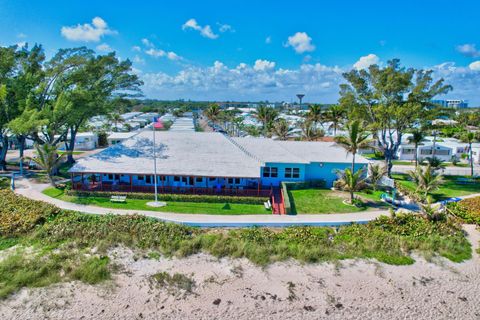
pixel 34 191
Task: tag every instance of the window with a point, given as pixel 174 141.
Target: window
pixel 237 180
pixel 199 179
pixel 270 172
pixel 292 173
pixel 296 173
pixel 230 180
pixel 140 177
pixel 184 179
pixel 110 177
pixel 148 179
pixel 426 151
pixel 212 179
pixel 233 180
pixel 176 178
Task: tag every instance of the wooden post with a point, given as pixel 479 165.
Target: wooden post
pixel 258 189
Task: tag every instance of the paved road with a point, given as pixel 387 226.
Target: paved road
pixel 449 171
pixel 34 191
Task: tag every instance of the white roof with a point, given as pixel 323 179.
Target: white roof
pixel 121 135
pixel 207 154
pixel 178 153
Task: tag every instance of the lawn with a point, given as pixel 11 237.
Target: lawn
pixel 74 152
pixel 449 189
pixel 325 201
pixel 172 206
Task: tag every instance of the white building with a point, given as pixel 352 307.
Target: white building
pixel 117 137
pixel 84 141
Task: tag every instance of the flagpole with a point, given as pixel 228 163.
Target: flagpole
pixel 154 163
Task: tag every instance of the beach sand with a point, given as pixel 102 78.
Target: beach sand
pixel 237 289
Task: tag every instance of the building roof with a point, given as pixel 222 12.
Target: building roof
pixel 207 154
pixel 121 135
pixel 178 153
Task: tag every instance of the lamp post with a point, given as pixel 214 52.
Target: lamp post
pixel 155 203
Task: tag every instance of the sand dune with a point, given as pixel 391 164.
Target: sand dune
pixel 237 289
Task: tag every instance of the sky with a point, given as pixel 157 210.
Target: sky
pixel 258 50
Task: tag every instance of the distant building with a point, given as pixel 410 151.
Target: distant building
pixel 452 103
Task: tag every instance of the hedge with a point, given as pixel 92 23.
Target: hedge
pixel 18 214
pixel 286 198
pixel 171 197
pixel 468 210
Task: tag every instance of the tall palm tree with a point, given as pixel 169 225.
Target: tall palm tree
pixel 266 116
pixel 355 139
pixel 426 180
pixel 335 114
pixel 416 138
pixel 281 129
pixel 351 181
pixel 115 118
pixel 314 113
pixel 310 131
pixel 48 159
pixel 212 113
pixel 469 138
pixel 375 174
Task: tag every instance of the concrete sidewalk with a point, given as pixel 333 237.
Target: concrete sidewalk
pixel 34 191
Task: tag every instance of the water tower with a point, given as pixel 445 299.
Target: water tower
pixel 300 97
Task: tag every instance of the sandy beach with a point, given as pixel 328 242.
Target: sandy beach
pixel 237 289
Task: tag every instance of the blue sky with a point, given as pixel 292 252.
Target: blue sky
pixel 258 50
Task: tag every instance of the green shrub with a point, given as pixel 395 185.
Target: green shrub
pixel 171 197
pixel 468 210
pixel 92 270
pixel 18 214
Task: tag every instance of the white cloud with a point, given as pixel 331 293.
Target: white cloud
pixel 21 35
pixel 475 66
pixel 159 53
pixel 87 32
pixel 225 27
pixel 104 48
pixel 136 49
pixel 366 61
pixel 21 44
pixel 147 43
pixel 300 42
pixel 205 31
pixel 468 50
pixel 259 81
pixel 268 40
pixel 138 59
pixel 263 65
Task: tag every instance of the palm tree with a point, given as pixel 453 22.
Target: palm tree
pixel 314 113
pixel 281 129
pixel 212 113
pixel 266 116
pixel 335 114
pixel 355 139
pixel 351 181
pixel 426 180
pixel 115 118
pixel 376 173
pixel 416 138
pixel 310 131
pixel 469 138
pixel 48 159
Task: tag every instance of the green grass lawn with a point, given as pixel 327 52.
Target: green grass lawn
pixel 172 206
pixel 449 189
pixel 325 201
pixel 74 152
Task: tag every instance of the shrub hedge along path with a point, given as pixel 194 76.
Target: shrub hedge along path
pixel 34 191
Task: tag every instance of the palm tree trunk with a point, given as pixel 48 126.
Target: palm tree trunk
pixel 471 160
pixel 351 196
pixel 416 155
pixel 353 163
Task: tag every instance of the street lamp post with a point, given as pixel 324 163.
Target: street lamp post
pixel 155 164
pixel 300 97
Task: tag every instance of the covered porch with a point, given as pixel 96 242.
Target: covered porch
pixel 168 184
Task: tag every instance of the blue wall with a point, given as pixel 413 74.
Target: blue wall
pixel 311 171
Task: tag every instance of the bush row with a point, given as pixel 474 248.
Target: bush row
pixel 171 197
pixel 18 214
pixel 468 210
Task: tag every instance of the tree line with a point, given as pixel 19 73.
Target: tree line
pixel 49 100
